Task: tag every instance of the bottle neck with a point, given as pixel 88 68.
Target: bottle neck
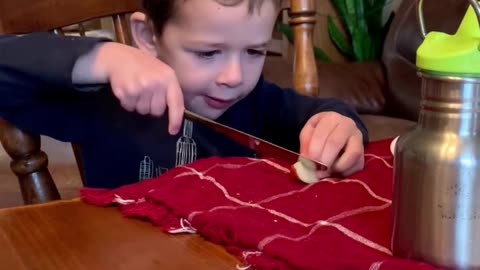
pixel 450 104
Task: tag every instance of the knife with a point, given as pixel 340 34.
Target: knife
pixel 256 144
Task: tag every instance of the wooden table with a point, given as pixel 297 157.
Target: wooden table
pixel 73 235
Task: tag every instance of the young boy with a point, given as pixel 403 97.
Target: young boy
pixel 117 102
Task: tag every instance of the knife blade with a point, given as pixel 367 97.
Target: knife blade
pixel 260 146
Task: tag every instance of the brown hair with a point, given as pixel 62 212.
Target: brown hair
pixel 159 12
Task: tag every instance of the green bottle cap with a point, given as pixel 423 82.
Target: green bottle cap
pixel 458 53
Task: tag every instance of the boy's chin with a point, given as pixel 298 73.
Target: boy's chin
pixel 215 114
pixel 212 114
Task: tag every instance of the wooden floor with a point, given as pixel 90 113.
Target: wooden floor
pixel 62 166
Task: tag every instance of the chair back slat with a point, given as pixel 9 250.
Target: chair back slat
pixel 26 16
pixel 122 33
pixel 302 19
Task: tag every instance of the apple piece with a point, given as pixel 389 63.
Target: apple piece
pixel 305 171
pixel 393 145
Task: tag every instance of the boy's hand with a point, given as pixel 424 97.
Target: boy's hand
pixel 140 81
pixel 334 140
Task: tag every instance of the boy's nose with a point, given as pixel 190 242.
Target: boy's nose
pixel 231 75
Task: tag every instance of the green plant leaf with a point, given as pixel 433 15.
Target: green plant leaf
pixel 320 54
pixel 360 15
pixel 286 30
pixel 347 21
pixel 339 5
pixel 362 20
pixel 374 14
pixel 350 7
pixel 338 40
pixel 350 16
pixel 364 47
pixel 378 5
pixel 357 46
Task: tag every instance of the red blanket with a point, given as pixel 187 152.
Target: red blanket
pixel 270 221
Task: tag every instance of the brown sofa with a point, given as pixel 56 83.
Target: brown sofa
pixel 385 93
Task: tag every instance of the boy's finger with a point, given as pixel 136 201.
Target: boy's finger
pixel 334 143
pixel 307 132
pixel 176 108
pixel 158 104
pixel 128 104
pixel 321 134
pixel 357 167
pixel 352 157
pixel 143 104
pixel 323 174
pixel 305 136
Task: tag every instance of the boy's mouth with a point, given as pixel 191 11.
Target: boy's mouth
pixel 217 103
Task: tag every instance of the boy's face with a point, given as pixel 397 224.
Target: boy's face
pixel 217 52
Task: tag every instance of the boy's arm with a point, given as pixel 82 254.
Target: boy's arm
pixel 36 89
pixel 42 59
pixel 286 113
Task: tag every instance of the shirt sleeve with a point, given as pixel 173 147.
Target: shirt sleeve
pixel 36 90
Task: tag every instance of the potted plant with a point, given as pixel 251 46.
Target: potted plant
pixel 364 26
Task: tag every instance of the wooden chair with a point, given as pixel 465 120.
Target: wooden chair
pixel 29 162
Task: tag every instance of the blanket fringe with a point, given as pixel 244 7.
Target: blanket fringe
pixel 185 227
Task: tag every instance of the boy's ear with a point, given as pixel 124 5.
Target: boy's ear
pixel 142 33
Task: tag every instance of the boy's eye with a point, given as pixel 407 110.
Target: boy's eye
pixel 256 52
pixel 206 54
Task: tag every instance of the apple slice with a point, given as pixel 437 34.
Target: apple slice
pixel 305 170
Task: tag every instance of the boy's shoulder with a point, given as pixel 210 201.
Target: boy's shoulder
pixel 265 88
